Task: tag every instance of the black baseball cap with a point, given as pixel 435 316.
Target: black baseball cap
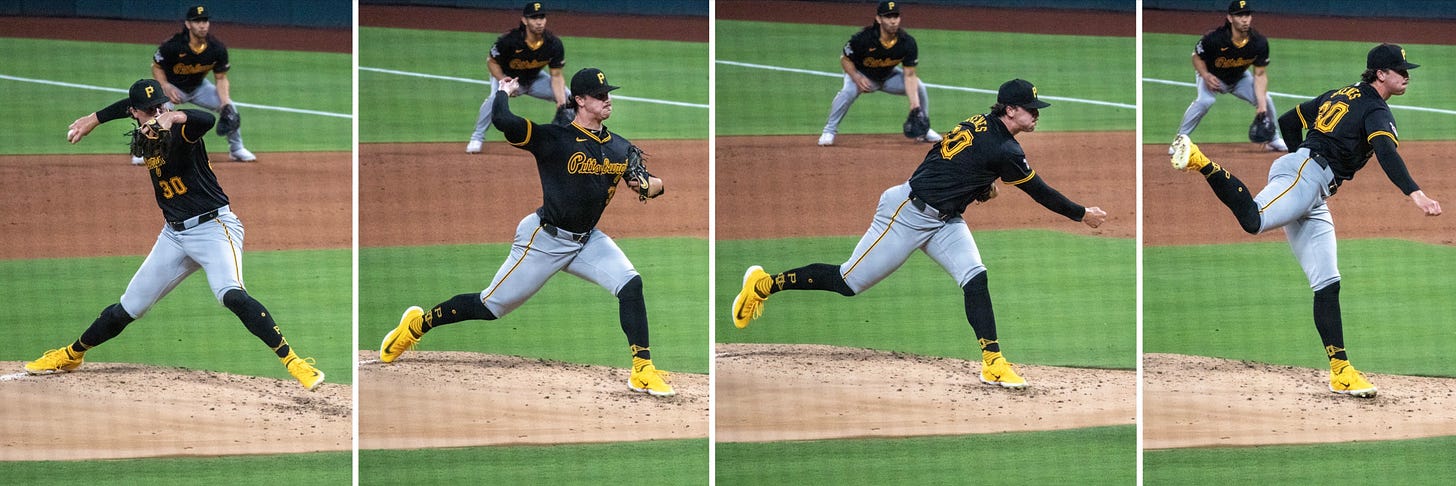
pixel 533 9
pixel 887 8
pixel 1388 56
pixel 1239 7
pixel 1019 92
pixel 146 94
pixel 590 82
pixel 196 12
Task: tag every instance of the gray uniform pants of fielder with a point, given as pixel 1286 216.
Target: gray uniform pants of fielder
pixel 539 88
pixel 206 96
pixel 1295 200
pixel 895 84
pixel 536 255
pixel 1243 90
pixel 215 246
pixel 898 230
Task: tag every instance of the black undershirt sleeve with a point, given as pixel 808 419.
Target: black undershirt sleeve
pixel 115 111
pixel 1049 198
pixel 516 129
pixel 1292 129
pixel 1394 165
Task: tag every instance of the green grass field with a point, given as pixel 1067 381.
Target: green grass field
pixel 1251 301
pixel 569 320
pixel 754 101
pixel 1298 67
pixel 1091 321
pixel 288 79
pixel 1098 455
pixel 398 108
pixel 188 328
pixel 326 468
pixel 654 462
pixel 1416 461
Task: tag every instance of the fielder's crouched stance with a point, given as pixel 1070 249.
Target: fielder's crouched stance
pixel 1345 126
pixel 925 214
pixel 201 231
pixel 580 165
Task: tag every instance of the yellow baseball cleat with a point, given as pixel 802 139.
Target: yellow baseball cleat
pixel 648 379
pixel 55 361
pixel 749 303
pixel 403 337
pixel 1346 380
pixel 303 370
pixel 995 370
pixel 1186 155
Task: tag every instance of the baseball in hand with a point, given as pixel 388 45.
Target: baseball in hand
pixel 70 134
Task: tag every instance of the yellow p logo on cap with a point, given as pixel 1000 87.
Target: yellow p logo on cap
pixel 602 78
pixel 149 91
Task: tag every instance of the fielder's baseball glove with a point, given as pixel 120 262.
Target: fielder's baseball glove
pixel 564 116
pixel 228 120
pixel 916 124
pixel 986 194
pixel 1262 129
pixel 150 146
pixel 636 171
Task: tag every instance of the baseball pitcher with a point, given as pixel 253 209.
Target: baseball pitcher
pixel 1346 126
pixel 201 231
pixel 925 213
pixel 581 165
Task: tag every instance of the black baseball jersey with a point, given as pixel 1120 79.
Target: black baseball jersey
pixel 877 61
pixel 187 68
pixel 1343 124
pixel 520 59
pixel 976 153
pixel 579 168
pixel 1228 61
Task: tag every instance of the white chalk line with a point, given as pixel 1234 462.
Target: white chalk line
pixel 122 91
pixel 487 83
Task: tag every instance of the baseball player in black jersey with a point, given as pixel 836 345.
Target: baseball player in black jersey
pixel 1223 60
pixel 520 54
pixel 201 231
pixel 880 57
pixel 580 164
pixel 181 65
pixel 1345 126
pixel 925 213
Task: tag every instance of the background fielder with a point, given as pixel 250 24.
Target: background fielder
pixel 924 213
pixel 580 165
pixel 880 57
pixel 1346 126
pixel 181 65
pixel 1223 60
pixel 201 232
pixel 520 54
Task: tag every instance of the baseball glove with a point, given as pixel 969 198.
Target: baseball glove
pixel 1262 129
pixel 150 146
pixel 564 116
pixel 636 171
pixel 916 124
pixel 228 120
pixel 986 194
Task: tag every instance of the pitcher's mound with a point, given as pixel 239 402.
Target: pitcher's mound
pixel 1199 401
pixel 772 392
pixel 125 410
pixel 454 399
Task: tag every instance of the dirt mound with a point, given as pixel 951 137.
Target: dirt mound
pixel 771 392
pixel 454 399
pixel 123 410
pixel 1198 401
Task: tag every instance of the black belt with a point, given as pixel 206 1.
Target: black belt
pixel 193 221
pixel 920 205
pixel 1325 164
pixel 561 233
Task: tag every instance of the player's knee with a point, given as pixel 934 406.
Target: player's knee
pixel 978 284
pixel 632 290
pixel 118 314
pixel 1251 224
pixel 1328 292
pixel 237 300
